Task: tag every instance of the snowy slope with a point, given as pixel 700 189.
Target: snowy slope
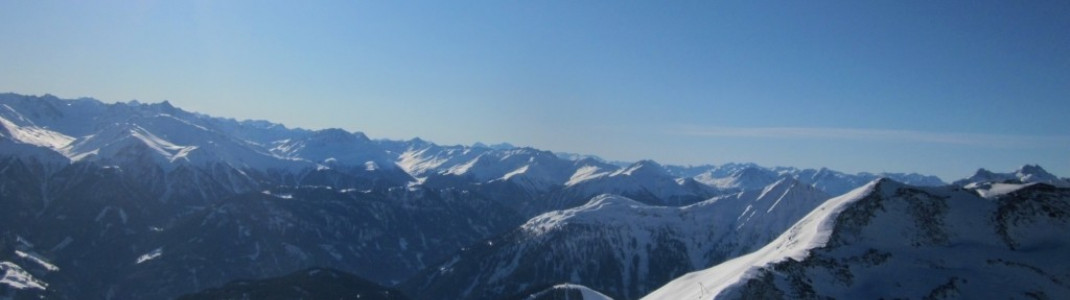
pixel 16 277
pixel 645 181
pixel 33 135
pixel 810 232
pixel 749 176
pixel 88 130
pixel 568 291
pixel 617 245
pixel 531 168
pixel 335 147
pixel 890 240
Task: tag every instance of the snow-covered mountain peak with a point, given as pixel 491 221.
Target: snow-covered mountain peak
pixel 118 141
pixel 810 232
pixel 609 200
pixel 984 175
pixel 890 239
pixel 336 147
pixel 1034 173
pixel 777 205
pixel 568 291
pixel 1031 169
pixel 602 209
pixel 983 178
pixel 587 172
pixel 643 168
pixel 780 186
pixel 747 177
pixel 625 247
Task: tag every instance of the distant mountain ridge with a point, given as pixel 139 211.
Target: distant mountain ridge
pixel 1025 174
pixel 86 129
pixel 134 200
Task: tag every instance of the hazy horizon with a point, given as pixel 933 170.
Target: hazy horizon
pixel 932 88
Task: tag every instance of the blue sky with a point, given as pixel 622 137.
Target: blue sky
pixel 929 86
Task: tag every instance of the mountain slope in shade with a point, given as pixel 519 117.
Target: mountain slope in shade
pixel 314 283
pixel 381 236
pixel 135 199
pixel 616 245
pixel 891 240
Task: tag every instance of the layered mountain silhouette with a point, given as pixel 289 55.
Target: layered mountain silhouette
pixel 135 200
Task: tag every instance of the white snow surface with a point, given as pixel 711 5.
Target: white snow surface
pixel 586 173
pixel 586 292
pixel 15 277
pixel 87 129
pixel 605 207
pixel 908 242
pixel 992 190
pixel 753 218
pixel 36 258
pixel 34 135
pixel 745 179
pixel 155 253
pixel 810 232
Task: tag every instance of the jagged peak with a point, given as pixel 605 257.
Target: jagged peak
pixel 751 171
pixel 338 135
pixel 982 172
pixel 885 182
pixel 262 124
pixel 498 146
pixel 1028 173
pixel 166 104
pixel 1032 169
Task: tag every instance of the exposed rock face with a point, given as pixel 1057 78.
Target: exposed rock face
pixel 892 240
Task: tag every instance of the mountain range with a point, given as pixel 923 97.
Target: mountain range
pixel 135 200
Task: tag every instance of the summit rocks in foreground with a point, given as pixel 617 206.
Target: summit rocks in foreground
pixel 890 240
